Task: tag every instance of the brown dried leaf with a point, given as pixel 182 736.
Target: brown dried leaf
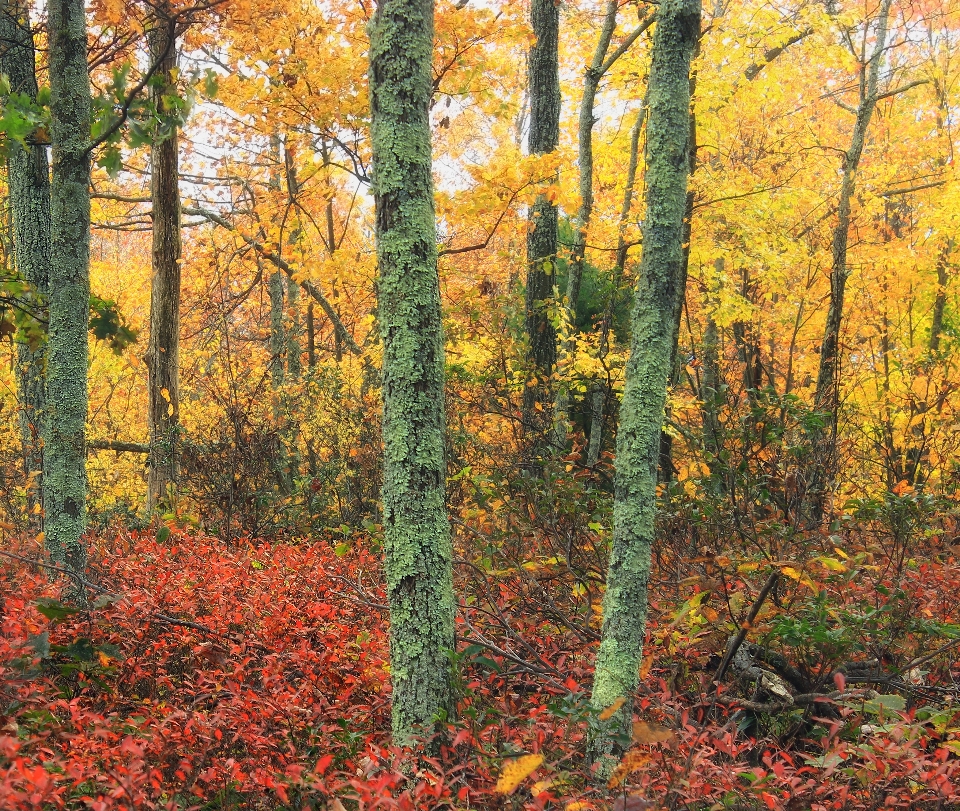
pixel 644 732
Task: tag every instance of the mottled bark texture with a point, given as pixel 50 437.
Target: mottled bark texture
pixel 827 398
pixel 64 481
pixel 641 413
pixel 542 235
pixel 163 351
pixel 417 550
pixel 278 335
pixel 28 173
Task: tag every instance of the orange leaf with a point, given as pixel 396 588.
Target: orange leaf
pixel 644 732
pixel 632 761
pixel 645 666
pixel 610 711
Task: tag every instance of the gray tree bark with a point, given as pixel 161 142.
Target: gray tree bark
pixel 64 481
pixel 163 350
pixel 417 549
pixel 28 174
pixel 544 74
pixel 647 372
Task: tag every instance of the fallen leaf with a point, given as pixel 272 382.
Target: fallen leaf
pixel 610 711
pixel 644 732
pixel 516 771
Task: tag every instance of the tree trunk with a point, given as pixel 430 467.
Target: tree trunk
pixel 29 184
pixel 601 391
pixel 64 481
pixel 278 334
pixel 417 548
pixel 647 373
pixel 591 82
pixel 542 236
pixel 163 351
pixel 827 398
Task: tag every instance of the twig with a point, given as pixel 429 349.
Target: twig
pixel 734 646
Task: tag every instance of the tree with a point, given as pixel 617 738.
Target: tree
pixel 418 550
pixel 542 235
pixel 29 181
pixel 163 352
pixel 647 372
pixel 64 481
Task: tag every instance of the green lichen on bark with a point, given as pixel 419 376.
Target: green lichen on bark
pixel 64 481
pixel 641 413
pixel 29 183
pixel 418 552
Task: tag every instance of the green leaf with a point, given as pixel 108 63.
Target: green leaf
pixel 885 704
pixel 40 644
pixel 162 534
pixel 341 549
pixel 54 610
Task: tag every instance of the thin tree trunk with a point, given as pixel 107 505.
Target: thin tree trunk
pixel 163 351
pixel 417 547
pixel 542 236
pixel 601 391
pixel 647 373
pixel 64 482
pixel 278 335
pixel 827 398
pixel 598 67
pixel 29 182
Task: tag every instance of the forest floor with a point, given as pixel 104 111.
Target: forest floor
pixel 255 676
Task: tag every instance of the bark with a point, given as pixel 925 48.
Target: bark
pixel 294 362
pixel 647 373
pixel 64 483
pixel 827 398
pixel 163 350
pixel 28 173
pixel 543 234
pixel 278 335
pixel 417 545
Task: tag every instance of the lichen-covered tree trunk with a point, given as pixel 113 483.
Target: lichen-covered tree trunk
pixel 64 480
pixel 827 397
pixel 163 351
pixel 417 549
pixel 29 183
pixel 645 386
pixel 542 237
pixel 278 334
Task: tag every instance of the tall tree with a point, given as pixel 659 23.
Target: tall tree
pixel 418 550
pixel 29 182
pixel 64 481
pixel 542 237
pixel 163 351
pixel 647 372
pixel 827 398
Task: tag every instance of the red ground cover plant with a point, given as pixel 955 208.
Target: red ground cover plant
pixel 207 676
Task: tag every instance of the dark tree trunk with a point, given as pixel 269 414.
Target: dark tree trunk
pixel 163 352
pixel 29 182
pixel 542 237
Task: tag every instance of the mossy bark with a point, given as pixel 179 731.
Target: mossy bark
pixel 542 237
pixel 647 372
pixel 64 481
pixel 163 352
pixel 417 549
pixel 28 173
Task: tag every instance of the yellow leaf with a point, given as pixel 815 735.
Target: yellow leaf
pixel 632 761
pixel 579 806
pixel 610 711
pixel 832 564
pixel 516 771
pixel 645 732
pixel 743 568
pixel 165 394
pixel 541 786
